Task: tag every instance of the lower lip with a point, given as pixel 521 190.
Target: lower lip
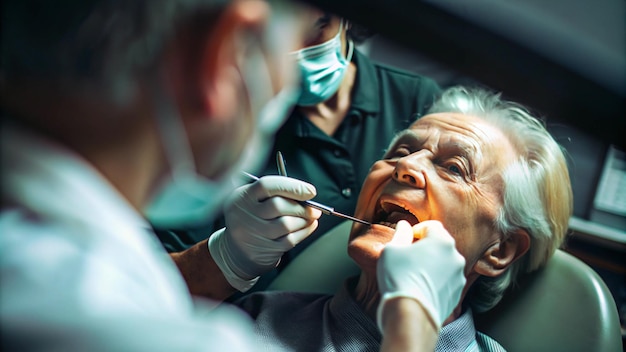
pixel 387 227
pixel 382 229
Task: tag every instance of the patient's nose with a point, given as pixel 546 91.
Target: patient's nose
pixel 409 170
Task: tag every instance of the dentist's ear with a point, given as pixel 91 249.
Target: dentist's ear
pixel 221 82
pixel 500 255
pixel 219 88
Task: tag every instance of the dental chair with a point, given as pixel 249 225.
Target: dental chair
pixel 563 307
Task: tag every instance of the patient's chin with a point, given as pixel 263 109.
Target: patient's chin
pixel 366 245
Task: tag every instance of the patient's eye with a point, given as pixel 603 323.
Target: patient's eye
pixel 398 152
pixel 455 169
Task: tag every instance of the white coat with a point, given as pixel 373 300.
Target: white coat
pixel 81 270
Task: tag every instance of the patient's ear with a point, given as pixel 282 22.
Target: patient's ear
pixel 503 253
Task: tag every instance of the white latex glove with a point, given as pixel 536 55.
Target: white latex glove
pixel 429 270
pixel 263 221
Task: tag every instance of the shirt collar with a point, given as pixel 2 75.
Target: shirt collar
pixel 457 335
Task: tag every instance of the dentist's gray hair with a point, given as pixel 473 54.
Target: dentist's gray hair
pixel 537 195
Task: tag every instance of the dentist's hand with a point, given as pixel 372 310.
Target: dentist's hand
pixel 263 221
pixel 429 270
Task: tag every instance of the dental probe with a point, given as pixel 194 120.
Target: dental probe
pixel 282 170
pixel 324 208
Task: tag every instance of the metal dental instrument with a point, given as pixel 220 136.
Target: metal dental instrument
pixel 324 208
pixel 282 170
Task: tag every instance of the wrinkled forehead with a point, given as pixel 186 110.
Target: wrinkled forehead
pixel 459 125
pixel 467 131
pixel 449 120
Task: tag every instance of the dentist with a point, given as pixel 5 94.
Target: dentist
pixel 104 102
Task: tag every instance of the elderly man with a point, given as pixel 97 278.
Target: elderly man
pixel 483 168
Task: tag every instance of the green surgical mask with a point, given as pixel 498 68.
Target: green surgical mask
pixel 322 68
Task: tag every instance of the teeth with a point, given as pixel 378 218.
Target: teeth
pixel 400 205
pixel 409 210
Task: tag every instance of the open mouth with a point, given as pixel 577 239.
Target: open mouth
pixel 389 213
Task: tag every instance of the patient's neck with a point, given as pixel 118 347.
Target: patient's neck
pixel 365 293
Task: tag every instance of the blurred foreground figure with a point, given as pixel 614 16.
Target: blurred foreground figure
pixel 103 102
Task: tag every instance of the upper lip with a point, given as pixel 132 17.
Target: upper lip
pixel 401 210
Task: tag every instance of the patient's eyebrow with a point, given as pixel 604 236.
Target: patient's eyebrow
pixel 470 152
pixel 404 135
pixel 460 148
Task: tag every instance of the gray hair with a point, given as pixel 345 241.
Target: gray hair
pixel 537 195
pixel 106 43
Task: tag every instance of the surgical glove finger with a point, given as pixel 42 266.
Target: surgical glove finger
pixel 403 235
pixel 291 240
pixel 429 270
pixel 270 186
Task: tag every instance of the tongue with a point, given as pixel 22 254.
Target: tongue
pixel 396 216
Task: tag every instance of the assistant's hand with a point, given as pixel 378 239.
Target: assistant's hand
pixel 429 270
pixel 263 221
